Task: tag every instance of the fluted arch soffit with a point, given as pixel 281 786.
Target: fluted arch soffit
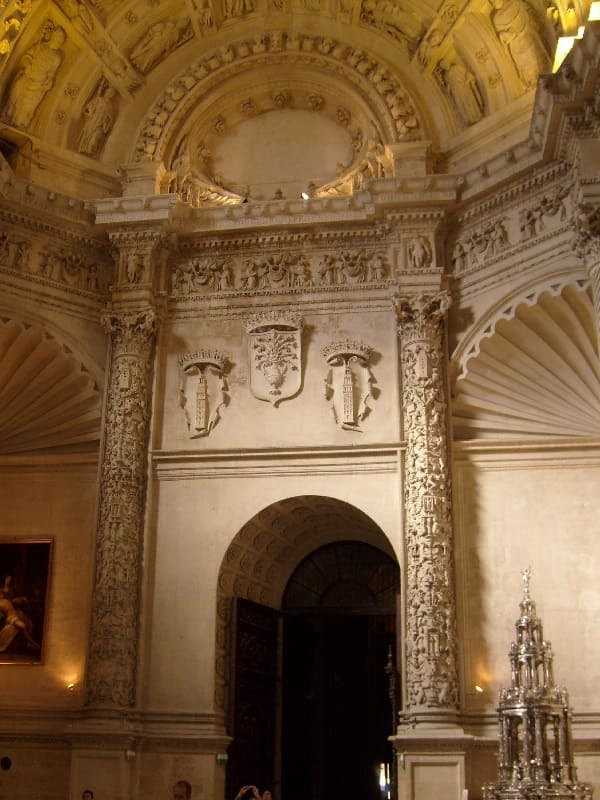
pixel 384 55
pixel 49 401
pixel 531 369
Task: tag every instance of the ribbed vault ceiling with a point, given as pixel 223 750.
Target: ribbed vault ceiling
pixel 158 71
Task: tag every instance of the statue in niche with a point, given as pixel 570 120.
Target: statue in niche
pixel 420 254
pixel 518 31
pixel 463 91
pixel 160 39
pixel 202 400
pixel 99 116
pixel 35 76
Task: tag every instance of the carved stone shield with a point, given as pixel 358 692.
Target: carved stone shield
pixel 202 390
pixel 348 384
pixel 275 356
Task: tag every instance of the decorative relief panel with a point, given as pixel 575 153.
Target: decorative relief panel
pixel 72 270
pixel 202 390
pixel 518 225
pixel 274 355
pixel 348 383
pixel 279 271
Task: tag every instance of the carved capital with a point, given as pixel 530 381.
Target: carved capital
pixel 420 315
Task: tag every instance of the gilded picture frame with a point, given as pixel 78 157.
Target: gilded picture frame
pixel 25 571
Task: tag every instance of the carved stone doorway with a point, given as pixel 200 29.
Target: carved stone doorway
pixel 339 634
pixel 267 565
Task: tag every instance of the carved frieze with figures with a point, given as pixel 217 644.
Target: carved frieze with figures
pixel 275 355
pixel 68 268
pixel 519 223
pixel 348 383
pixel 281 271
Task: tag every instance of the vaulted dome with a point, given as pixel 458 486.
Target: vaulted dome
pixel 94 86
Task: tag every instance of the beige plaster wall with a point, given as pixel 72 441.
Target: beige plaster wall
pixel 306 420
pixel 539 510
pixel 55 499
pixel 38 773
pixel 197 516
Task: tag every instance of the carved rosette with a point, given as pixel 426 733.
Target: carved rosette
pixel 202 390
pixel 348 384
pixel 431 657
pixel 275 355
pixel 111 677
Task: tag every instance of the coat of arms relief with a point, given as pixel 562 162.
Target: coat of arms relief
pixel 203 390
pixel 275 355
pixel 348 385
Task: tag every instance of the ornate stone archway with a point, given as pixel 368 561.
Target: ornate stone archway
pixel 267 549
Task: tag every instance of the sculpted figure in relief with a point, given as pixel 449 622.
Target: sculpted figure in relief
pixel 392 17
pixel 237 8
pixel 420 255
pixel 463 91
pixel 35 76
pixel 518 31
pixel 99 118
pixel 160 39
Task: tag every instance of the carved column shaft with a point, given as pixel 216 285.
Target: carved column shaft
pixel 431 658
pixel 587 246
pixel 111 677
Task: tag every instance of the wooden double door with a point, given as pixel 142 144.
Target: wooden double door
pixel 310 710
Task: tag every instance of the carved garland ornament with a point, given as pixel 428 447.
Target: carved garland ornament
pixel 114 632
pixel 431 661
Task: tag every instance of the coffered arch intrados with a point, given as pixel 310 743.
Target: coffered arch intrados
pixel 393 108
pixel 350 121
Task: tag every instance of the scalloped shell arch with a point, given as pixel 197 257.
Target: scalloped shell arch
pixel 535 372
pixel 48 401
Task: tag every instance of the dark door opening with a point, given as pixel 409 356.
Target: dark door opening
pixel 336 713
pixel 339 629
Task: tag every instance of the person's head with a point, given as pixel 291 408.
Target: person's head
pixel 182 790
pixel 248 793
pixel 266 795
pixel 87 794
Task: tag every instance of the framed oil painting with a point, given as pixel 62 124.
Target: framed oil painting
pixel 24 584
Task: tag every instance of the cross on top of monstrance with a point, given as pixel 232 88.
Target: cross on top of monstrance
pixel 526 575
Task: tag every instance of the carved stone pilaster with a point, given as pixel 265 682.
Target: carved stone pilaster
pixel 431 647
pixel 111 676
pixel 587 246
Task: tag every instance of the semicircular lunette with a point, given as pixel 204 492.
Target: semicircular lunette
pixel 48 402
pixel 536 376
